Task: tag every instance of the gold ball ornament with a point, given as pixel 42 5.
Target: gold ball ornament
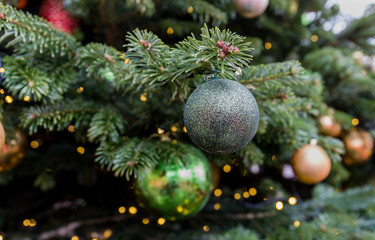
pixel 2 136
pixel 12 152
pixel 328 126
pixel 358 146
pixel 311 164
pixel 250 8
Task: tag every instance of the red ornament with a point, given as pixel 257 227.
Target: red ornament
pixel 53 12
pixel 359 146
pixel 250 8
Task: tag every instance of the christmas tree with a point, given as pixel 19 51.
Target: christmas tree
pixel 185 120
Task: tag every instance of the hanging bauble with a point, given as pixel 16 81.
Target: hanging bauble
pixel 53 12
pixel 176 188
pixel 328 126
pixel 250 8
pixel 12 152
pixel 311 164
pixel 358 147
pixel 2 136
pixel 221 116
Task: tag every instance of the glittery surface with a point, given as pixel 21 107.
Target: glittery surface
pixel 221 116
pixel 178 189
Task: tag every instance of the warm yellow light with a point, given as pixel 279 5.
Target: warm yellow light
pixel 8 99
pixel 133 210
pixel 218 192
pixel 74 238
pixel 160 130
pixel 34 144
pixel 143 97
pixel 237 196
pixel 80 90
pixel 94 239
pixel 267 45
pixel 252 191
pixel 292 200
pixel 107 233
pixel 174 129
pixel 26 98
pixel 2 70
pixel 71 128
pixel 217 206
pixel 355 121
pixel 227 168
pixel 26 222
pixel 184 129
pixel 145 221
pixel 127 60
pixel 190 9
pixel 121 209
pixel 273 158
pixel 170 31
pixel 246 194
pixel 2 91
pixel 1 237
pixel 279 205
pixel 174 141
pixel 206 228
pixel 314 38
pixel 81 150
pixel 161 221
pixel 32 223
pixel 296 223
pixel 180 209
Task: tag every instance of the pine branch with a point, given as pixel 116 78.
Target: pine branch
pixel 26 29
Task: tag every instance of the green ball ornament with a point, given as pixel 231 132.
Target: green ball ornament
pixel 221 116
pixel 176 188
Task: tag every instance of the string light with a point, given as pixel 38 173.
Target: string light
pixel 184 129
pixel 267 45
pixel 71 128
pixel 160 130
pixel 218 192
pixel 246 194
pixel 355 121
pixel 296 223
pixel 206 228
pixel 145 221
pixel 273 158
pixel 314 38
pixel 174 129
pixel 170 31
pixel 292 200
pixel 127 60
pixel 174 141
pixel 74 238
pixel 217 206
pixel 143 97
pixel 2 91
pixel 161 221
pixel 34 144
pixel 107 233
pixel 8 99
pixel 227 168
pixel 81 150
pixel 279 205
pixel 80 90
pixel 237 196
pixel 1 237
pixel 180 209
pixel 2 70
pixel 190 9
pixel 133 210
pixel 32 223
pixel 252 192
pixel 26 98
pixel 26 222
pixel 122 209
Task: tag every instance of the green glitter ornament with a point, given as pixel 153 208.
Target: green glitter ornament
pixel 221 116
pixel 177 188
